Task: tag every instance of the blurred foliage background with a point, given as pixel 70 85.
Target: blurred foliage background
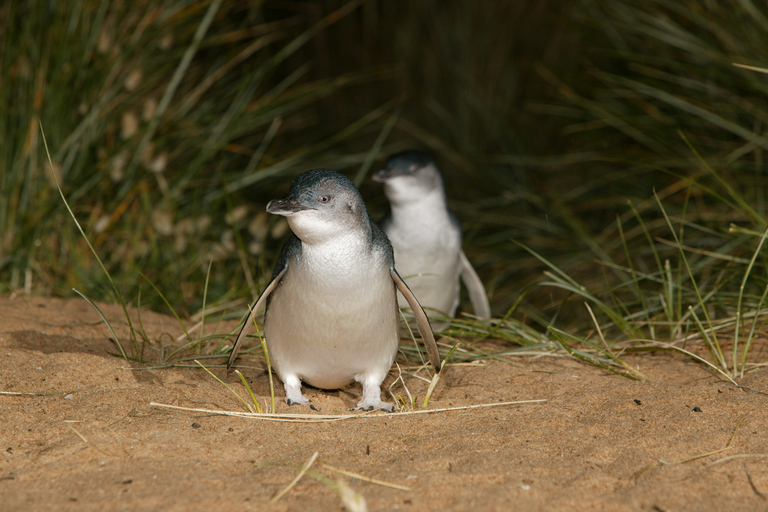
pixel 172 123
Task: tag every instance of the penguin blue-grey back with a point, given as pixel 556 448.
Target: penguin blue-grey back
pixel 426 237
pixel 331 307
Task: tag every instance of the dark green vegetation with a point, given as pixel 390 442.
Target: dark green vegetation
pixel 613 145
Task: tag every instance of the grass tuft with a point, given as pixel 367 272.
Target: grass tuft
pixel 599 153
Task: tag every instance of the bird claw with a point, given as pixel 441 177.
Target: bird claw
pixel 306 402
pixel 381 406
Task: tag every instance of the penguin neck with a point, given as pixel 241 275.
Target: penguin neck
pixel 431 208
pixel 340 249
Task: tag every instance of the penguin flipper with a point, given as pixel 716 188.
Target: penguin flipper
pixel 475 288
pixel 422 322
pixel 259 303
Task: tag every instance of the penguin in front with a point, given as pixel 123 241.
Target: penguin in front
pixel 331 307
pixel 426 237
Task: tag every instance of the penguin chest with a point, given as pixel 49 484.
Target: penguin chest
pixel 329 325
pixel 430 265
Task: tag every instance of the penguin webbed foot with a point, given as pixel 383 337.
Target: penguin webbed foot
pixel 381 406
pixel 371 400
pixel 308 404
pixel 293 395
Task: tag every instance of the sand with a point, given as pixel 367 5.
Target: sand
pixel 683 440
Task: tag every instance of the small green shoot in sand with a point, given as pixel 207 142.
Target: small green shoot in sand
pixel 245 383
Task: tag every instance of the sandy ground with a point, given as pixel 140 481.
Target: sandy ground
pixel 599 442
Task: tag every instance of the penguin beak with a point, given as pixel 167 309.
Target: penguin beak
pixel 382 176
pixel 287 206
pixel 392 172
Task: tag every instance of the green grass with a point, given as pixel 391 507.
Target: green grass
pixel 161 121
pixel 661 107
pixel 600 153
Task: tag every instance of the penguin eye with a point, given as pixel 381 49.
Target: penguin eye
pixel 324 199
pixel 413 168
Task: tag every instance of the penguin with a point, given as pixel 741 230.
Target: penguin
pixel 426 237
pixel 331 307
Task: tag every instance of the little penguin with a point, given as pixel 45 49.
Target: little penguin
pixel 426 237
pixel 331 307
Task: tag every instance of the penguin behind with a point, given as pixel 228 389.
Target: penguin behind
pixel 426 237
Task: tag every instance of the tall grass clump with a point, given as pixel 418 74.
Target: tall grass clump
pixel 171 125
pixel 466 73
pixel 614 146
pixel 163 121
pixel 665 111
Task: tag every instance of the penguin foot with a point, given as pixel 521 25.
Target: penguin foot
pixel 380 406
pixel 308 404
pixel 293 395
pixel 372 397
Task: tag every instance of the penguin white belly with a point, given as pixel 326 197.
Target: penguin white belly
pixel 329 327
pixel 433 279
pixel 427 258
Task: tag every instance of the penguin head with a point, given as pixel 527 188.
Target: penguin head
pixel 322 205
pixel 409 176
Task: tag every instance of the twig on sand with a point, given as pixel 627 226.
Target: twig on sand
pixel 365 478
pixel 320 418
pixel 726 447
pixel 290 486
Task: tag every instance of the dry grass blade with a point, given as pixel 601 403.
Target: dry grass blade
pixel 436 376
pixel 18 393
pixel 365 478
pixel 751 68
pixel 752 483
pixel 739 457
pixel 320 418
pixel 81 436
pixel 400 400
pixel 353 501
pixel 290 486
pixel 431 389
pixel 726 447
